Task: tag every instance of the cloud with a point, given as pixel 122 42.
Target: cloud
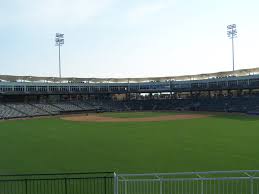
pixel 52 11
pixel 148 9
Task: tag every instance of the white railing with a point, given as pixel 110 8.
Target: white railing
pixel 213 182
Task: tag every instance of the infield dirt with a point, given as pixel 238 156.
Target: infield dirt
pixel 99 118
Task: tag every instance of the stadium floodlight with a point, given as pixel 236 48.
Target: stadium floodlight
pixel 59 42
pixel 232 33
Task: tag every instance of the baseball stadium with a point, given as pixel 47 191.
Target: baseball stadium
pixel 145 97
pixel 191 123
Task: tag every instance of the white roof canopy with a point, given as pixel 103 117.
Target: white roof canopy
pixel 241 72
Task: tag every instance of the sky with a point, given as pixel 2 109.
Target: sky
pixel 133 38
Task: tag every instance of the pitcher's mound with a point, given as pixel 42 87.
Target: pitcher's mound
pixel 99 118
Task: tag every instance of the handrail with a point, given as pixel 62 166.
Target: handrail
pixel 57 174
pixel 189 173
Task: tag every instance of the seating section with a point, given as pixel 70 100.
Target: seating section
pixel 17 110
pixel 221 104
pixel 64 106
pixel 7 112
pixel 84 105
pixel 47 108
pixel 109 105
pixel 243 104
pixel 28 109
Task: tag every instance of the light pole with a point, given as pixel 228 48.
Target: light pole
pixel 232 33
pixel 59 42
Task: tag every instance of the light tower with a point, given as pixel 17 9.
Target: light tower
pixel 59 42
pixel 232 33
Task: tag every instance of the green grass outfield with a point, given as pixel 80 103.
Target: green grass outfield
pixel 222 142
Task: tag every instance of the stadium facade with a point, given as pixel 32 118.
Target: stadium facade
pixel 190 92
